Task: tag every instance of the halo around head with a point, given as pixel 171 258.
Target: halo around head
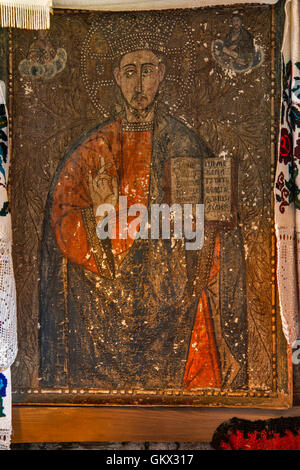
pixel 112 36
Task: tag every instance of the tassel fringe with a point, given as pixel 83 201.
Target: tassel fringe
pixel 18 14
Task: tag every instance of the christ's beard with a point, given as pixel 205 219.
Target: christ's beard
pixel 140 114
pixel 138 99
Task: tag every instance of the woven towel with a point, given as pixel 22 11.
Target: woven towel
pixel 8 324
pixel 8 327
pixel 287 179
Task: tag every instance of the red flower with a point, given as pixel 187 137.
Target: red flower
pixel 285 151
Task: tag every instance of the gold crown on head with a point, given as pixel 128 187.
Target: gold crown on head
pixel 132 33
pixel 111 36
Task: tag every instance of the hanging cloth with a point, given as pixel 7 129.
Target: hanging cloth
pixel 287 179
pixel 138 5
pixel 27 14
pixel 8 322
pixel 8 329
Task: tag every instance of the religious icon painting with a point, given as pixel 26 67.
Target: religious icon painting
pixel 143 157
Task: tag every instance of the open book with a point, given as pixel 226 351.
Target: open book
pixel 210 181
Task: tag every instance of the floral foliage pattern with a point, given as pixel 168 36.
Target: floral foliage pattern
pixel 4 206
pixel 286 187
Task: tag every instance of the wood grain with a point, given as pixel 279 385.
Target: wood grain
pixel 97 424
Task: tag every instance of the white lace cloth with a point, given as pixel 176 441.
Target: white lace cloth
pixel 288 244
pixel 8 336
pixel 8 320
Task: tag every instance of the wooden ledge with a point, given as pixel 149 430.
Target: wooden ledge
pixel 115 424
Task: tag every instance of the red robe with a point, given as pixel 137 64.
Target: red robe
pixel 129 156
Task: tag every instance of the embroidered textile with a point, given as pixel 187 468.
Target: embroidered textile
pixel 8 337
pixel 271 434
pixel 287 180
pixel 5 409
pixel 8 327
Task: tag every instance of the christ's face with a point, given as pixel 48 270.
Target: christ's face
pixel 237 23
pixel 139 76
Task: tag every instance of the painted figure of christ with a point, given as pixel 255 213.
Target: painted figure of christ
pixel 127 312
